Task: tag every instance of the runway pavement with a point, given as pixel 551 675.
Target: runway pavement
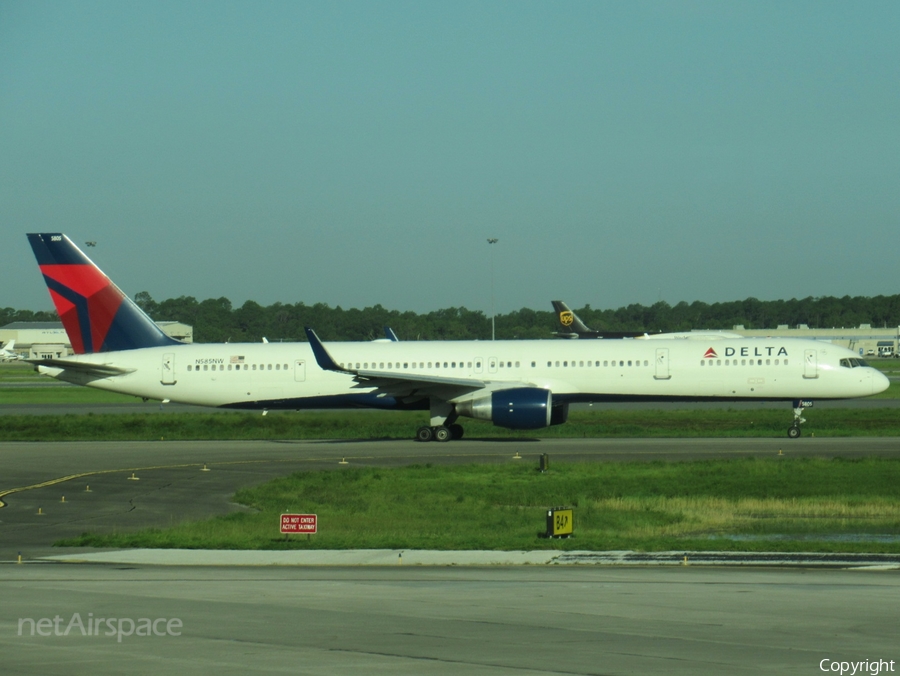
pixel 442 620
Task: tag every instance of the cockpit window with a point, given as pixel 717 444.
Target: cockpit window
pixel 853 363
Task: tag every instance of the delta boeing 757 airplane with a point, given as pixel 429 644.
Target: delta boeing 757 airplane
pixel 517 384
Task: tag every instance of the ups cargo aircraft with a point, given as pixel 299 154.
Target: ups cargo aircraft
pixel 571 326
pixel 517 384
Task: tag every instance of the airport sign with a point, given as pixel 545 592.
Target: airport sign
pixel 299 523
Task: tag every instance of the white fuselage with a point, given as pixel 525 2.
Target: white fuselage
pixel 286 375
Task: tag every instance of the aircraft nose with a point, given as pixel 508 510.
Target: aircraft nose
pixel 880 382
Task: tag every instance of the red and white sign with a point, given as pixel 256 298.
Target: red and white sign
pixel 298 523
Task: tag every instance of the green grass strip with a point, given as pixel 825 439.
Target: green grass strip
pixel 775 504
pixel 401 425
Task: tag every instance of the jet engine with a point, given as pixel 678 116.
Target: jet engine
pixel 519 408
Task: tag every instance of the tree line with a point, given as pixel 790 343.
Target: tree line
pixel 216 320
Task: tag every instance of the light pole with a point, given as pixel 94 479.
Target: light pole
pixel 492 241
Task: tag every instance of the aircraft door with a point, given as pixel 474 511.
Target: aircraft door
pixel 492 364
pixel 810 364
pixel 299 370
pixel 662 364
pixel 168 368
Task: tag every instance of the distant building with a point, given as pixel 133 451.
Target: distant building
pixel 865 340
pixel 48 340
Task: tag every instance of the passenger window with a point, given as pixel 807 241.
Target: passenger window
pixel 189 367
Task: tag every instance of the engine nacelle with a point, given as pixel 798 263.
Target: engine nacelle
pixel 518 408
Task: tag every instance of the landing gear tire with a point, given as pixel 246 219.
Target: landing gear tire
pixel 424 434
pixel 442 434
pixel 794 431
pixel 456 431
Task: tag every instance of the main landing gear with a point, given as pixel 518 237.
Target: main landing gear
pixel 799 405
pixel 439 432
pixel 443 423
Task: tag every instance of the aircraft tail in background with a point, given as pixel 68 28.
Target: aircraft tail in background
pixel 569 323
pixel 97 316
pixel 6 353
pixel 572 327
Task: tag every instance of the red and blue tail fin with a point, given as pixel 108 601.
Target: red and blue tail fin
pixel 97 316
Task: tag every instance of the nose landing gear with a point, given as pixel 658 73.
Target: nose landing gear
pixel 799 404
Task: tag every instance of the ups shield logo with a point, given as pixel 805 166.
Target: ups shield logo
pixel 566 318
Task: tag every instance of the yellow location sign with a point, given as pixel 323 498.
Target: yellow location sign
pixel 560 522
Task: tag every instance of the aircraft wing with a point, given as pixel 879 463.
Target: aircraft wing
pixel 406 384
pixel 87 368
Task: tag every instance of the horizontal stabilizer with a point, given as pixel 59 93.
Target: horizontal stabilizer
pixel 87 368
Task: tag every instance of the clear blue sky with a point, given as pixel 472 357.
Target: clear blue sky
pixel 356 153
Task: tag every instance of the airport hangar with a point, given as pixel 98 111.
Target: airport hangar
pixel 865 340
pixel 48 340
